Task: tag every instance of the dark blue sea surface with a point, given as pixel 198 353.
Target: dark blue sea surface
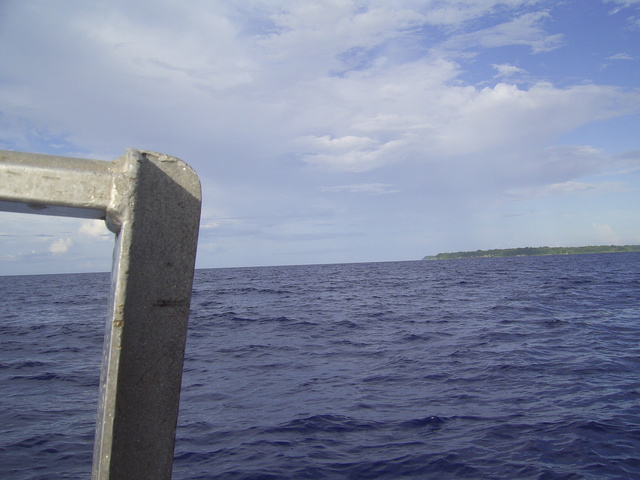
pixel 507 368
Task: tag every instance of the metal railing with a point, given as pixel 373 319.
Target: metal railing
pixel 152 203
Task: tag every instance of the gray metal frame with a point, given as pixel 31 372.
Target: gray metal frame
pixel 152 203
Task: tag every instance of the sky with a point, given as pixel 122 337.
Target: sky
pixel 335 131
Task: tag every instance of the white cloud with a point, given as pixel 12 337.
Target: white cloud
pixel 276 103
pixel 621 56
pixel 507 70
pixel 606 234
pixel 458 12
pixel 506 115
pixel 319 30
pixel 567 188
pixel 183 86
pixel 369 188
pixel 348 153
pixel 96 229
pixel 20 256
pixel 60 246
pixel 560 164
pixel 634 19
pixel 623 3
pixel 523 30
pixel 194 46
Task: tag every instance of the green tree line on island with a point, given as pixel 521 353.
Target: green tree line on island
pixel 518 252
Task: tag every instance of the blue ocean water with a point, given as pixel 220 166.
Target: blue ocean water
pixel 510 368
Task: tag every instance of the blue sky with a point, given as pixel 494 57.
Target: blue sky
pixel 338 130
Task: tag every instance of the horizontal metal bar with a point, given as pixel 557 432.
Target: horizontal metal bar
pixel 50 185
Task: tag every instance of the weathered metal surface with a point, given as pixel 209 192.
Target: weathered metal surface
pixel 49 185
pixel 152 202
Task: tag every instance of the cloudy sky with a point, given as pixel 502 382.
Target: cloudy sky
pixel 336 130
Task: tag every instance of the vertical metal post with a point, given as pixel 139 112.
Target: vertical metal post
pixel 152 202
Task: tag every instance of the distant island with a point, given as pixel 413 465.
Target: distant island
pixel 525 251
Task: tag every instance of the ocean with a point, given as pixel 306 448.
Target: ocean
pixel 504 368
